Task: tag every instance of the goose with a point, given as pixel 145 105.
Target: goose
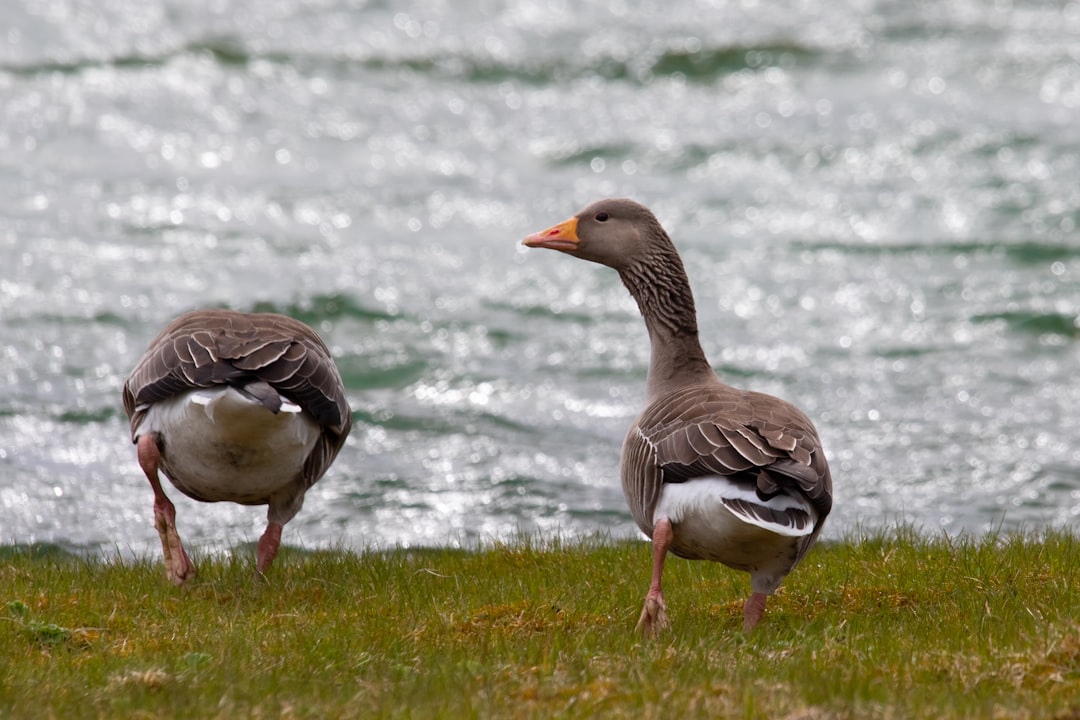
pixel 709 471
pixel 239 407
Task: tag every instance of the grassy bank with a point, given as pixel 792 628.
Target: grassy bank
pixel 891 626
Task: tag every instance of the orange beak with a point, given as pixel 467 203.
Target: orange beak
pixel 558 237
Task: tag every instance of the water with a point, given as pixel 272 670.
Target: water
pixel 877 203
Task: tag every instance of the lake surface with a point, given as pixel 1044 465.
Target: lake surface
pixel 877 203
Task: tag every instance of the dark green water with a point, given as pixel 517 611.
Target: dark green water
pixel 877 203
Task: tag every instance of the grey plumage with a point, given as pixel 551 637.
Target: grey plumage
pixel 266 443
pixel 203 348
pixel 708 471
pixel 758 441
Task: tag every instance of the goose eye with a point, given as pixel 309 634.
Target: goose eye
pixel 601 217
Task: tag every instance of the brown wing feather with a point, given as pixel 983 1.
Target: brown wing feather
pixel 642 478
pixel 213 347
pixel 720 430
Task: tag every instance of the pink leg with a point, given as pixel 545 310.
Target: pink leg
pixel 753 610
pixel 178 566
pixel 654 614
pixel 268 547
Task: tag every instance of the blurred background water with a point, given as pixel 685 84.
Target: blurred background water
pixel 877 202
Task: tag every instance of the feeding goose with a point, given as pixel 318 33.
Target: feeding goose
pixel 238 407
pixel 710 472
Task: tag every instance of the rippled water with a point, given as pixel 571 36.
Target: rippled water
pixel 877 203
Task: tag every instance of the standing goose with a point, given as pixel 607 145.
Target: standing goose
pixel 710 472
pixel 245 408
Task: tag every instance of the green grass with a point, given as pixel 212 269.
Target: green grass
pixel 895 625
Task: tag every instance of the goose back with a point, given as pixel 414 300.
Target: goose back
pixel 252 352
pixel 756 440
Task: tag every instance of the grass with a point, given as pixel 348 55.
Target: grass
pixel 894 625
